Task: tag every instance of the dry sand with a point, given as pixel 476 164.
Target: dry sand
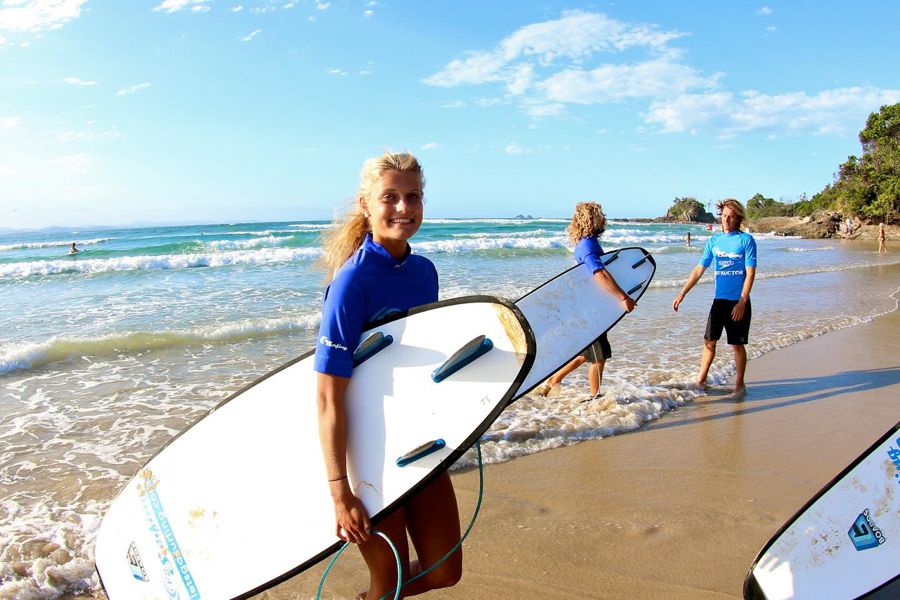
pixel 680 508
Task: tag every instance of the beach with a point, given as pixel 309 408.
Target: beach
pixel 110 353
pixel 680 508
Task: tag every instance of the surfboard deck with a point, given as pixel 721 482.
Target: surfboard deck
pixel 845 542
pixel 239 501
pixel 571 310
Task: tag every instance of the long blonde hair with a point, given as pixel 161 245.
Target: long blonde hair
pixel 348 231
pixel 582 224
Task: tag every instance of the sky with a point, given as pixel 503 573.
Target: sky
pixel 127 112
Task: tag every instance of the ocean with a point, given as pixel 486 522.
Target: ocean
pixel 107 354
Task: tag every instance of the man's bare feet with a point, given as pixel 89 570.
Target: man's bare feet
pixel 740 392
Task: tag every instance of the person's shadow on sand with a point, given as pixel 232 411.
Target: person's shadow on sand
pixel 779 393
pixel 800 390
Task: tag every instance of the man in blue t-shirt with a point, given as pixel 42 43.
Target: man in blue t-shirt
pixel 734 253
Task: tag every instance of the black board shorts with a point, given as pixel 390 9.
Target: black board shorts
pixel 598 351
pixel 720 317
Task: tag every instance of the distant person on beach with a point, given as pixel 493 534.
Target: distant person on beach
pixel 587 225
pixel 373 271
pixel 881 247
pixel 734 253
pixel 688 238
pixel 73 249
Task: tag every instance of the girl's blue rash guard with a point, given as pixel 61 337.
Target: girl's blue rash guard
pixel 588 252
pixel 369 285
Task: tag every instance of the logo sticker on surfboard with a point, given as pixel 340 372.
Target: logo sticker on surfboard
pixel 171 558
pixel 136 564
pixel 894 455
pixel 864 533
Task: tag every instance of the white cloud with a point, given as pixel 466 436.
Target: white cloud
pixel 237 8
pixel 323 5
pixel 133 89
pixel 289 5
pixel 335 71
pixel 838 111
pixel 514 148
pixel 609 83
pixel 368 14
pixel 38 15
pixel 9 122
pixel 77 81
pixel 548 65
pixel 251 35
pixel 311 18
pixel 431 146
pixel 171 6
pixel 88 133
pixel 771 28
pixel 575 37
pixel 765 11
pixel 74 164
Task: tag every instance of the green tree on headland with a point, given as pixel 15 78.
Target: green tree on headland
pixel 688 209
pixel 867 186
pixel 760 206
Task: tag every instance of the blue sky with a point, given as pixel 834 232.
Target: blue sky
pixel 117 112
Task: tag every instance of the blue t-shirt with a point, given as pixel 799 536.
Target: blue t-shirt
pixel 733 253
pixel 370 284
pixel 588 252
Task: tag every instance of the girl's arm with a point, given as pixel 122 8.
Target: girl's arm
pixel 351 519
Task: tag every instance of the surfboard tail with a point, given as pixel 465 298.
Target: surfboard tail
pixel 845 542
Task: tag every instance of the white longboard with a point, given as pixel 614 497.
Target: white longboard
pixel 239 501
pixel 570 311
pixel 845 543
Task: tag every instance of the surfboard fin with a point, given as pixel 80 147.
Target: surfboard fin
pixel 640 262
pixel 421 452
pixel 371 346
pixel 462 357
pixel 612 258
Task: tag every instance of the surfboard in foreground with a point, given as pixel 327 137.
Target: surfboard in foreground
pixel 845 543
pixel 570 311
pixel 239 501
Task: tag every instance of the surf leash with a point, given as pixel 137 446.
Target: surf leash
pixel 397 554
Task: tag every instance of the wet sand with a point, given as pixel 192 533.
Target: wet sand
pixel 680 508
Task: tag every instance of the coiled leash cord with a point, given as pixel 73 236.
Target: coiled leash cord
pixel 397 553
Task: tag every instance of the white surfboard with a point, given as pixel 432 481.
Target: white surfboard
pixel 239 501
pixel 570 311
pixel 845 543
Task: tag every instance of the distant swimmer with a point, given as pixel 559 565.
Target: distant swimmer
pixel 688 238
pixel 73 249
pixel 881 247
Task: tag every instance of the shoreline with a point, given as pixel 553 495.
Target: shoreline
pixel 680 507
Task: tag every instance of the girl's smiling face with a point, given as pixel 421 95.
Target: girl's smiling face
pixel 394 209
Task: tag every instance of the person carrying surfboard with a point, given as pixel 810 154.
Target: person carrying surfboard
pixel 734 252
pixel 373 271
pixel 587 225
